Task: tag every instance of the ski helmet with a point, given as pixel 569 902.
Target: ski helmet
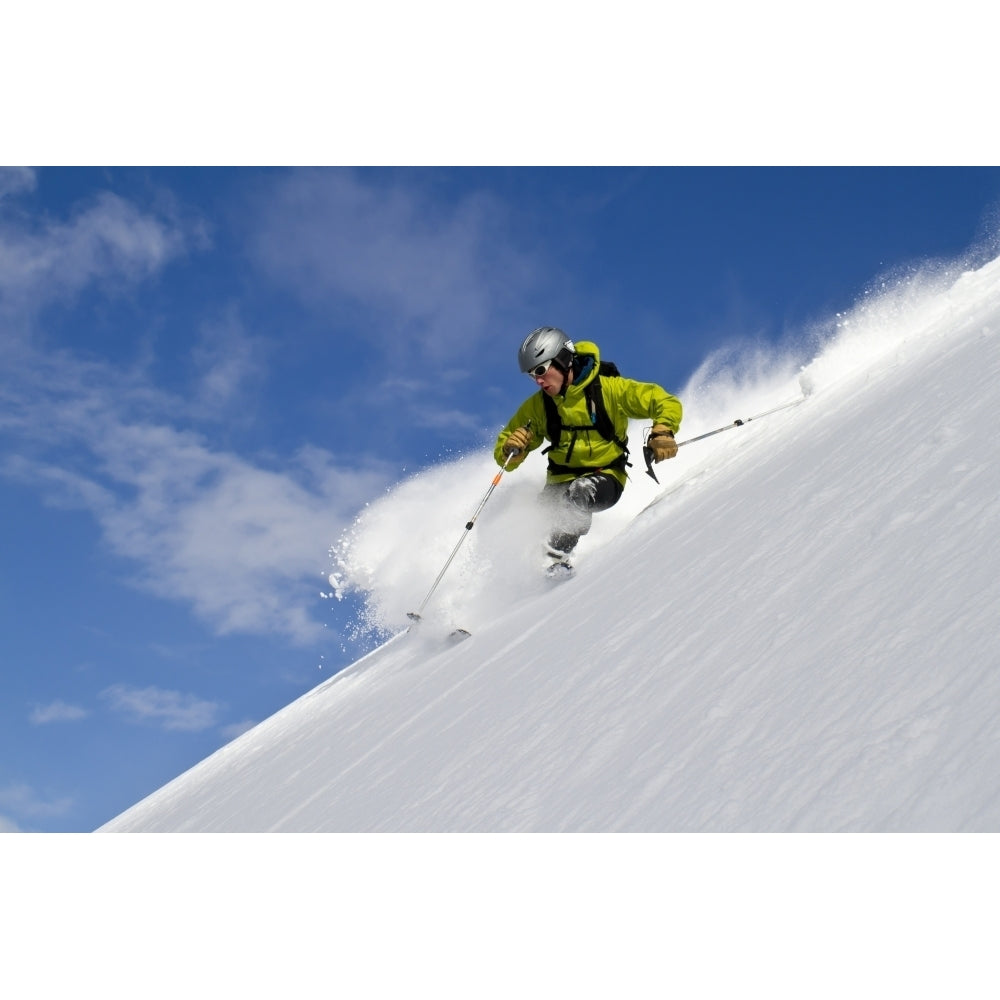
pixel 546 343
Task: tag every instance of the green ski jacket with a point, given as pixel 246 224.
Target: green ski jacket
pixel 587 450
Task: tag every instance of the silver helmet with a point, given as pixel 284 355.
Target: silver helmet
pixel 547 343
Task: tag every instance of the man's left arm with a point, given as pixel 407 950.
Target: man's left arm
pixel 647 400
pixel 653 402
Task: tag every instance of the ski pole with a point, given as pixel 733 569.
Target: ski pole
pixel 415 615
pixel 648 452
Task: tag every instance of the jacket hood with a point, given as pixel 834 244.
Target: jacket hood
pixel 590 355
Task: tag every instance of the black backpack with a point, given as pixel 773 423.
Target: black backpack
pixel 600 421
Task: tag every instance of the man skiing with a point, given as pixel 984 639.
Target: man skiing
pixel 583 409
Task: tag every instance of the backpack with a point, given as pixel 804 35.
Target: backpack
pixel 600 421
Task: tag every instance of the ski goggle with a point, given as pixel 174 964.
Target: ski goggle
pixel 539 370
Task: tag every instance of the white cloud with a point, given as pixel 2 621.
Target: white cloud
pixel 242 544
pixel 107 240
pixel 235 540
pixel 172 709
pixel 440 275
pixel 22 800
pixel 227 360
pixel 56 711
pixel 15 180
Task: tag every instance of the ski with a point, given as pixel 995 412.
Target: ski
pixel 456 634
pixel 559 572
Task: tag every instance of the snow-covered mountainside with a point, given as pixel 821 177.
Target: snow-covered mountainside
pixel 796 631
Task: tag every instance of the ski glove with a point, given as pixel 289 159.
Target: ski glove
pixel 661 442
pixel 517 445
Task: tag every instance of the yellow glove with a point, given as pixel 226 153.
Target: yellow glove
pixel 517 445
pixel 661 442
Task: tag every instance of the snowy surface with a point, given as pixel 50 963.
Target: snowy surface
pixel 797 631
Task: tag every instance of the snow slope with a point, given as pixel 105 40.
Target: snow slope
pixel 796 632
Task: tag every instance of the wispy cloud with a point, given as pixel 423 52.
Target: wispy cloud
pixel 437 276
pixel 56 711
pixel 244 545
pixel 236 540
pixel 22 800
pixel 228 360
pixel 106 240
pixel 171 709
pixel 16 180
pixel 241 540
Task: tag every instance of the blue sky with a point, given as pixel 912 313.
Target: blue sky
pixel 205 373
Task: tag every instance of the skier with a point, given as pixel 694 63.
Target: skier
pixel 583 409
